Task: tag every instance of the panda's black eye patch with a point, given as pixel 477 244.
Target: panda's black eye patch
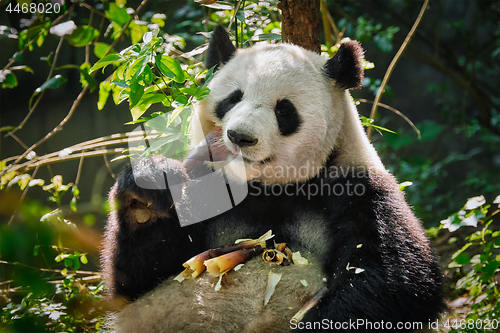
pixel 228 103
pixel 287 116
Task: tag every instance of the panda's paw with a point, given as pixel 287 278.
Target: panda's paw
pixel 143 192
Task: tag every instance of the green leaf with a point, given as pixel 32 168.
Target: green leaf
pixel 68 262
pixel 100 49
pixel 146 101
pixel 53 83
pixel 120 71
pixel 84 259
pixel 104 90
pixel 36 182
pixel 459 252
pixel 72 204
pixel 147 49
pixel 462 259
pixel 137 31
pixel 151 99
pixel 61 257
pixel 219 6
pixel 121 3
pixel 138 111
pixel 122 84
pixel 263 37
pixel 136 68
pixel 159 19
pixel 136 92
pixel 475 202
pixel 7 128
pixel 146 77
pixel 86 78
pixel 404 185
pixel 5 179
pixel 117 15
pixel 107 60
pixel 175 113
pixel 36 249
pixel 77 264
pixel 190 91
pixel 23 68
pixel 182 99
pixel 491 267
pixel 158 143
pixel 122 95
pixel 202 93
pixel 23 181
pixel 169 67
pixel 158 123
pixel 8 79
pixel 83 35
pixel 39 32
pixel 209 76
pixel 240 16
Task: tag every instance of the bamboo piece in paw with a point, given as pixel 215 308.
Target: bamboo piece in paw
pixel 196 265
pixel 222 264
pixel 310 304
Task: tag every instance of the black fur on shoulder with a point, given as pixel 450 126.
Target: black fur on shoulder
pixel 346 66
pixel 220 48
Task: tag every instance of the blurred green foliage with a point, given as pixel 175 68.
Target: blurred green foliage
pixel 479 271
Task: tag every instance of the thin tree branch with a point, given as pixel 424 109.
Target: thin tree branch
pixel 108 166
pixel 46 161
pixel 79 172
pixel 23 195
pixel 399 113
pixel 393 64
pixel 92 9
pixel 44 269
pixel 19 141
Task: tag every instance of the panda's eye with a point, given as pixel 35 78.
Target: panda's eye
pixel 287 116
pixel 228 103
pixel 285 107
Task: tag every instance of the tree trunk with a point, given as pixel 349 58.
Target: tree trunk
pixel 301 23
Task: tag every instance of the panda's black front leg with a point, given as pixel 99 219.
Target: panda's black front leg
pixel 144 241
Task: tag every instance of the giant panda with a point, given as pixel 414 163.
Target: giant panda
pixel 312 177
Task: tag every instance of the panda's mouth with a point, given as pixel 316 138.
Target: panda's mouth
pixel 235 150
pixel 264 161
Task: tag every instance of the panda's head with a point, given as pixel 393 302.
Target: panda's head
pixel 282 105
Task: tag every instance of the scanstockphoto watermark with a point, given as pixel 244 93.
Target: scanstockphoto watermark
pixel 362 325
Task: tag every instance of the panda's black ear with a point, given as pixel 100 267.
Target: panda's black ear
pixel 346 66
pixel 220 48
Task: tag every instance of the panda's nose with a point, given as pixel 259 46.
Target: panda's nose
pixel 241 139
